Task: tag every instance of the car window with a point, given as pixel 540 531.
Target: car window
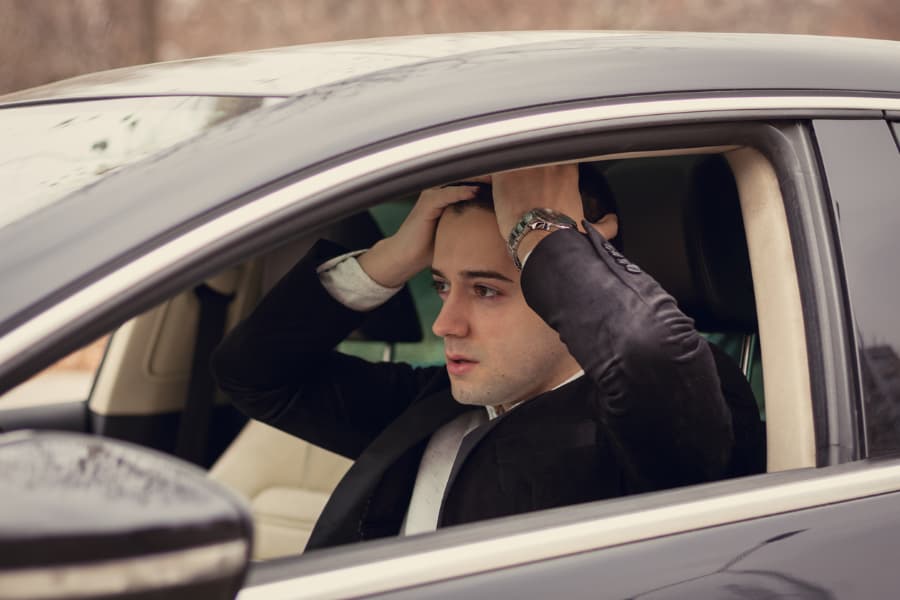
pixel 662 200
pixel 48 151
pixel 67 380
pixel 862 165
pixel 429 351
pixel 654 194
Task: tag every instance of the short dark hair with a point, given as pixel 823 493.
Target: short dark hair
pixel 483 199
pixel 597 198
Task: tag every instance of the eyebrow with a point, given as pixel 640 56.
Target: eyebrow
pixel 476 275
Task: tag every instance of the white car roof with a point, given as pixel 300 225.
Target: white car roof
pixel 283 71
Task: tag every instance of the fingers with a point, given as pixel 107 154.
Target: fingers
pixel 436 199
pixel 608 226
pixel 476 185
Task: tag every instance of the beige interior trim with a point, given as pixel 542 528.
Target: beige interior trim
pixel 286 481
pixel 654 153
pixel 790 435
pixel 146 369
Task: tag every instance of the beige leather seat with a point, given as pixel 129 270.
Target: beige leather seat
pixel 287 482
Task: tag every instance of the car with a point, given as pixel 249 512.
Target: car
pixel 757 179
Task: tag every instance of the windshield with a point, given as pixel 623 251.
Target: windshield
pixel 50 150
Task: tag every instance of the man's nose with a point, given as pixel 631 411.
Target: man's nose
pixel 452 320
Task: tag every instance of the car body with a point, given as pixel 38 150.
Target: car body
pixel 807 127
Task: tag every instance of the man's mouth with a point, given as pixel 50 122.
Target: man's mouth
pixel 458 365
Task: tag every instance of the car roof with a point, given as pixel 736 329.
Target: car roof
pixel 279 72
pixel 829 62
pixel 58 249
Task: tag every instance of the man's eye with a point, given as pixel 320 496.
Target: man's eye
pixel 485 292
pixel 441 287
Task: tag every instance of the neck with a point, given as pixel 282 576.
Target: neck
pixel 500 409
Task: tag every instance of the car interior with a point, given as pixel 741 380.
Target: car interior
pixel 707 223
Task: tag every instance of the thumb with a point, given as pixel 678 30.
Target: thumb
pixel 607 226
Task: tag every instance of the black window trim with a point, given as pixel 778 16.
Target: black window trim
pixel 851 332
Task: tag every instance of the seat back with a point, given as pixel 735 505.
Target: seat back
pixel 691 235
pixel 285 479
pixel 691 239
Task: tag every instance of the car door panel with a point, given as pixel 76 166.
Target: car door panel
pixel 821 553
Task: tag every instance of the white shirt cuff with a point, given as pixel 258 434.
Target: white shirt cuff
pixel 346 282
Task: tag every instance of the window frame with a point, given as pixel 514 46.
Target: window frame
pixel 777 143
pixel 312 564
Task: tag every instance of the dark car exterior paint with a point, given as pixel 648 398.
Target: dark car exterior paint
pixel 825 553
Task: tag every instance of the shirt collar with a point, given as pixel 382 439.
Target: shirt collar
pixel 492 410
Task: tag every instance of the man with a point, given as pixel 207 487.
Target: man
pixel 573 380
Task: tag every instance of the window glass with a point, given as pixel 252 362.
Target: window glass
pixel 48 151
pixel 68 380
pixel 863 174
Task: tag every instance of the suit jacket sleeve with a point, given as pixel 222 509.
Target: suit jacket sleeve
pixel 279 366
pixel 658 388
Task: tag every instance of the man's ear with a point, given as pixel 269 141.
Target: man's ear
pixel 607 226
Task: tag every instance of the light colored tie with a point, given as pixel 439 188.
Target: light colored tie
pixel 434 472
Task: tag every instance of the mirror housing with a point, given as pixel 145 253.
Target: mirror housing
pixel 84 517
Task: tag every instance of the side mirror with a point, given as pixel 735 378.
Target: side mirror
pixel 86 517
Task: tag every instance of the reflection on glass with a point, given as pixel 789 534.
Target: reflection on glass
pixel 863 175
pixel 68 380
pixel 881 382
pixel 48 151
pixel 732 582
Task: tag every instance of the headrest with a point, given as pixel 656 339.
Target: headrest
pixel 680 220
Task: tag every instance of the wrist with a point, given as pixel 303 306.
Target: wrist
pixel 536 222
pixel 530 242
pixel 386 266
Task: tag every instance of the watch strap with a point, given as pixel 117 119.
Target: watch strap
pixel 538 219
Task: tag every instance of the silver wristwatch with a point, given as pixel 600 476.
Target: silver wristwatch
pixel 544 219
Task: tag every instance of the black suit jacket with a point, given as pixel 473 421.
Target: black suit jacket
pixel 650 412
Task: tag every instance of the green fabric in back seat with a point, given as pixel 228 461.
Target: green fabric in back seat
pixel 732 343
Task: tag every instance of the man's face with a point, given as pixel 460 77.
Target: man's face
pixel 498 350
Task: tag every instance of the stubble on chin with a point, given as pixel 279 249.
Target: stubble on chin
pixel 473 395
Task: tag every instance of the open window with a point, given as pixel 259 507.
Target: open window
pixel 707 221
pixel 701 209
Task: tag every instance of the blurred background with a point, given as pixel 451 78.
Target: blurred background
pixel 46 40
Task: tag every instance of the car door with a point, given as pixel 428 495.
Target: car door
pixel 780 533
pixel 826 550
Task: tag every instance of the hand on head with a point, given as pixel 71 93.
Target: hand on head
pixel 519 191
pixel 395 259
